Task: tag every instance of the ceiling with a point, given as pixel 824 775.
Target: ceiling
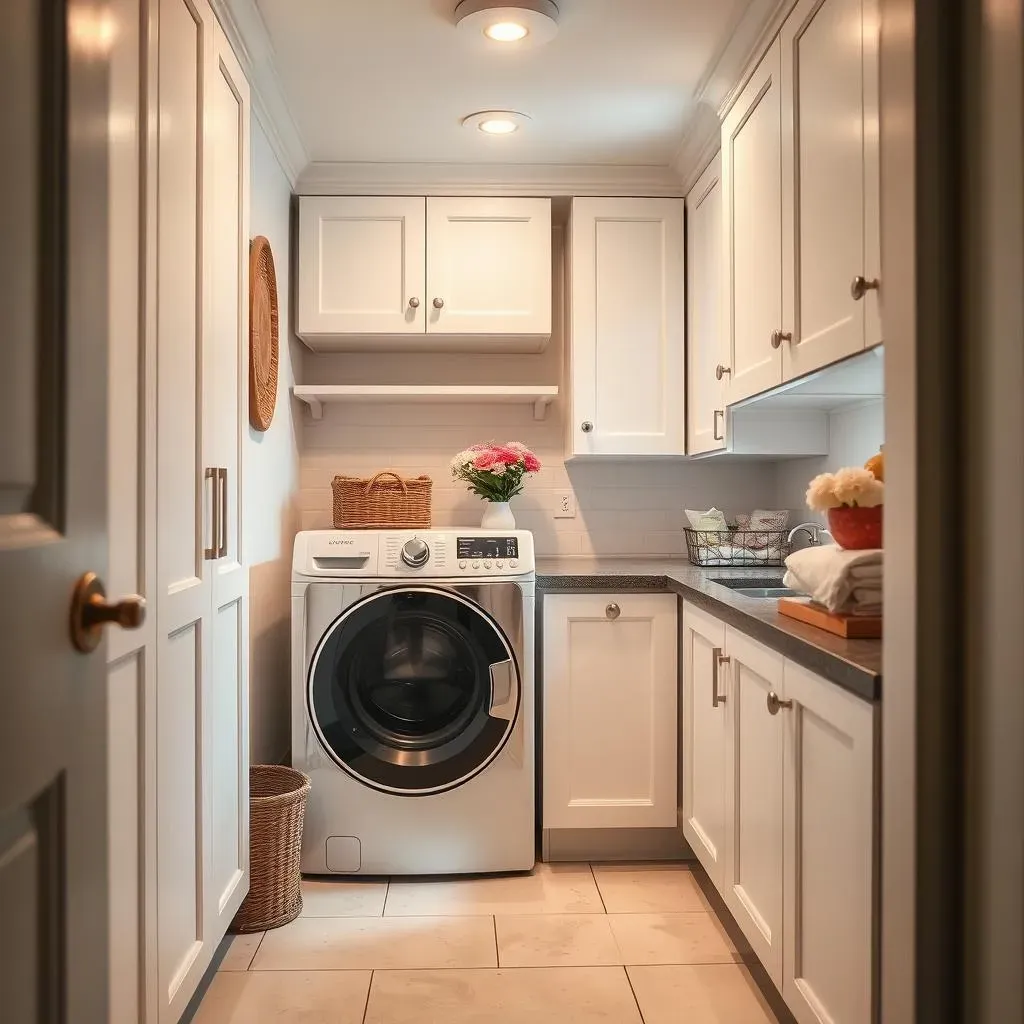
pixel 387 81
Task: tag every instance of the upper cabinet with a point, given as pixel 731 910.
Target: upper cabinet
pixel 407 272
pixel 627 376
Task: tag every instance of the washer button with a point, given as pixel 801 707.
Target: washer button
pixel 462 564
pixel 499 564
pixel 487 565
pixel 476 565
pixel 514 564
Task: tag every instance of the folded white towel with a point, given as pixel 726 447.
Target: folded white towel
pixel 867 572
pixel 826 573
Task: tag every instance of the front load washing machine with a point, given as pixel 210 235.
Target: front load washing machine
pixel 413 700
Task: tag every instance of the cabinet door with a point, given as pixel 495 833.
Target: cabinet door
pixel 703 731
pixel 754 806
pixel 610 689
pixel 829 844
pixel 488 266
pixel 823 183
pixel 361 265
pixel 752 194
pixel 705 405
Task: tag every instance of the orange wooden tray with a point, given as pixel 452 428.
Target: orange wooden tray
pixel 853 627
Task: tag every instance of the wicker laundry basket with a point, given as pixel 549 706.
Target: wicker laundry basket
pixel 384 501
pixel 277 806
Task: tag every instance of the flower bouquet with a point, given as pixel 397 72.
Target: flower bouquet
pixel 497 473
pixel 853 500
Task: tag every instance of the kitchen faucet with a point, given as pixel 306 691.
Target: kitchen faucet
pixel 813 531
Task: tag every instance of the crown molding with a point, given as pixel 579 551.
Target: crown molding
pixel 243 25
pixel 445 179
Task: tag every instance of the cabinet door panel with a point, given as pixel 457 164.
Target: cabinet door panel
pixel 627 308
pixel 361 261
pixel 489 262
pixel 704 749
pixel 823 182
pixel 752 180
pixel 754 805
pixel 610 689
pixel 704 391
pixel 829 844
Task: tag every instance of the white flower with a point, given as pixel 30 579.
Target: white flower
pixel 498 469
pixel 821 493
pixel 460 461
pixel 858 487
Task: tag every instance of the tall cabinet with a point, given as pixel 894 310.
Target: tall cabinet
pixel 199 754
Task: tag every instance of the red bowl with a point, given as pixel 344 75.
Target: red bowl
pixel 856 528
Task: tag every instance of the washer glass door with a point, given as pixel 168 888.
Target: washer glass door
pixel 413 690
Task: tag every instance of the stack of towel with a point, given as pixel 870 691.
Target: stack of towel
pixel 845 582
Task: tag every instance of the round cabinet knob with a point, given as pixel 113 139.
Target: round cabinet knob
pixel 438 303
pixel 414 303
pixel 775 705
pixel 91 611
pixel 613 611
pixel 860 286
pixel 721 371
pixel 778 337
pixel 586 426
pixel 415 552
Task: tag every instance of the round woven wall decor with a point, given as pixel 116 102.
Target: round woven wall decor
pixel 263 334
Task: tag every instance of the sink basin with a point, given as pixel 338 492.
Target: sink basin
pixel 767 587
pixel 766 591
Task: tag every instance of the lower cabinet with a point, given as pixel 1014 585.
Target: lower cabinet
pixel 778 805
pixel 609 710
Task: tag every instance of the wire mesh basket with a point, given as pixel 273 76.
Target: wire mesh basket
pixel 736 548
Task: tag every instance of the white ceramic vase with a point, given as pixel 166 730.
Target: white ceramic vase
pixel 498 516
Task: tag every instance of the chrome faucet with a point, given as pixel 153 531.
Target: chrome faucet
pixel 813 531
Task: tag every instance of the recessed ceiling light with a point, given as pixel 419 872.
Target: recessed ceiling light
pixel 496 122
pixel 511 25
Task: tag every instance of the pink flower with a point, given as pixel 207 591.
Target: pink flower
pixel 510 456
pixel 487 458
pixel 532 462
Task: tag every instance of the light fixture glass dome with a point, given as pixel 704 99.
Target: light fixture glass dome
pixel 506 31
pixel 496 122
pixel 511 25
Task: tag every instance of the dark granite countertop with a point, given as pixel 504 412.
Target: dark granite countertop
pixel 855 665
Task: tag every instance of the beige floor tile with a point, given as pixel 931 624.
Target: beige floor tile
pixel 240 951
pixel 372 943
pixel 556 940
pixel 654 889
pixel 696 938
pixel 553 995
pixel 705 994
pixel 327 898
pixel 285 997
pixel 548 889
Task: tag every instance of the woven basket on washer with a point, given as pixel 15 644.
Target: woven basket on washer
pixel 384 501
pixel 277 805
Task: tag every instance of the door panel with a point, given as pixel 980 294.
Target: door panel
pixel 361 262
pixel 754 806
pixel 752 181
pixel 489 261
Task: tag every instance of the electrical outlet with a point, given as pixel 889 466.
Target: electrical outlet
pixel 565 505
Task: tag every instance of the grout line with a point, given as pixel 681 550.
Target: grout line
pixel 600 895
pixel 366 1005
pixel 629 982
pixel 497 954
pixel 387 893
pixel 252 959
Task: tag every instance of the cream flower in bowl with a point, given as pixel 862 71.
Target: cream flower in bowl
pixel 821 493
pixel 858 487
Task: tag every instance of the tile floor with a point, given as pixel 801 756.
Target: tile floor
pixel 566 944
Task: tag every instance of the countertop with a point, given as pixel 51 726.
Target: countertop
pixel 854 665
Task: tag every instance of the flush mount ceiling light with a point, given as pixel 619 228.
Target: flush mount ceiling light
pixel 496 122
pixel 511 25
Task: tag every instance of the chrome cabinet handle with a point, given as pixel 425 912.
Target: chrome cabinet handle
pixel 721 371
pixel 774 704
pixel 414 303
pixel 860 286
pixel 778 337
pixel 210 553
pixel 613 611
pixel 718 659
pixel 222 550
pixel 586 426
pixel 438 303
pixel 718 436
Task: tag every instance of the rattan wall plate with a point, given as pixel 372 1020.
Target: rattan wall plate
pixel 263 334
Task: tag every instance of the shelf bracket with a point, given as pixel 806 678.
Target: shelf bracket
pixel 316 407
pixel 540 407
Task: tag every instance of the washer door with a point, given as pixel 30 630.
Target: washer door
pixel 414 690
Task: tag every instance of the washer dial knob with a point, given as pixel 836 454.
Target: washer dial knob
pixel 415 553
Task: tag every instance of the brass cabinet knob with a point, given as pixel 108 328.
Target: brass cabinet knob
pixel 721 371
pixel 586 426
pixel 860 286
pixel 775 705
pixel 438 303
pixel 778 337
pixel 613 611
pixel 414 303
pixel 90 612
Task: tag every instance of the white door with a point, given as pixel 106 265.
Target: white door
pixel 610 688
pixel 823 183
pixel 703 731
pixel 627 327
pixel 829 849
pixel 225 398
pixel 705 390
pixel 753 803
pixel 489 266
pixel 54 113
pixel 361 265
pixel 752 200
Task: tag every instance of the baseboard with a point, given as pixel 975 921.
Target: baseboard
pixel 613 844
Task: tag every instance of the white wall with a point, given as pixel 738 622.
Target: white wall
pixel 271 483
pixel 855 434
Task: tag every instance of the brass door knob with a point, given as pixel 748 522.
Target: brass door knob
pixel 90 612
pixel 775 704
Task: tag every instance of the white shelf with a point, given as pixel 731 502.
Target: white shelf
pixel 540 397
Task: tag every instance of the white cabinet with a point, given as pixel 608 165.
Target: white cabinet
pixel 610 685
pixel 752 877
pixel 705 390
pixel 626 343
pixel 408 272
pixel 830 171
pixel 829 822
pixel 703 731
pixel 752 200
